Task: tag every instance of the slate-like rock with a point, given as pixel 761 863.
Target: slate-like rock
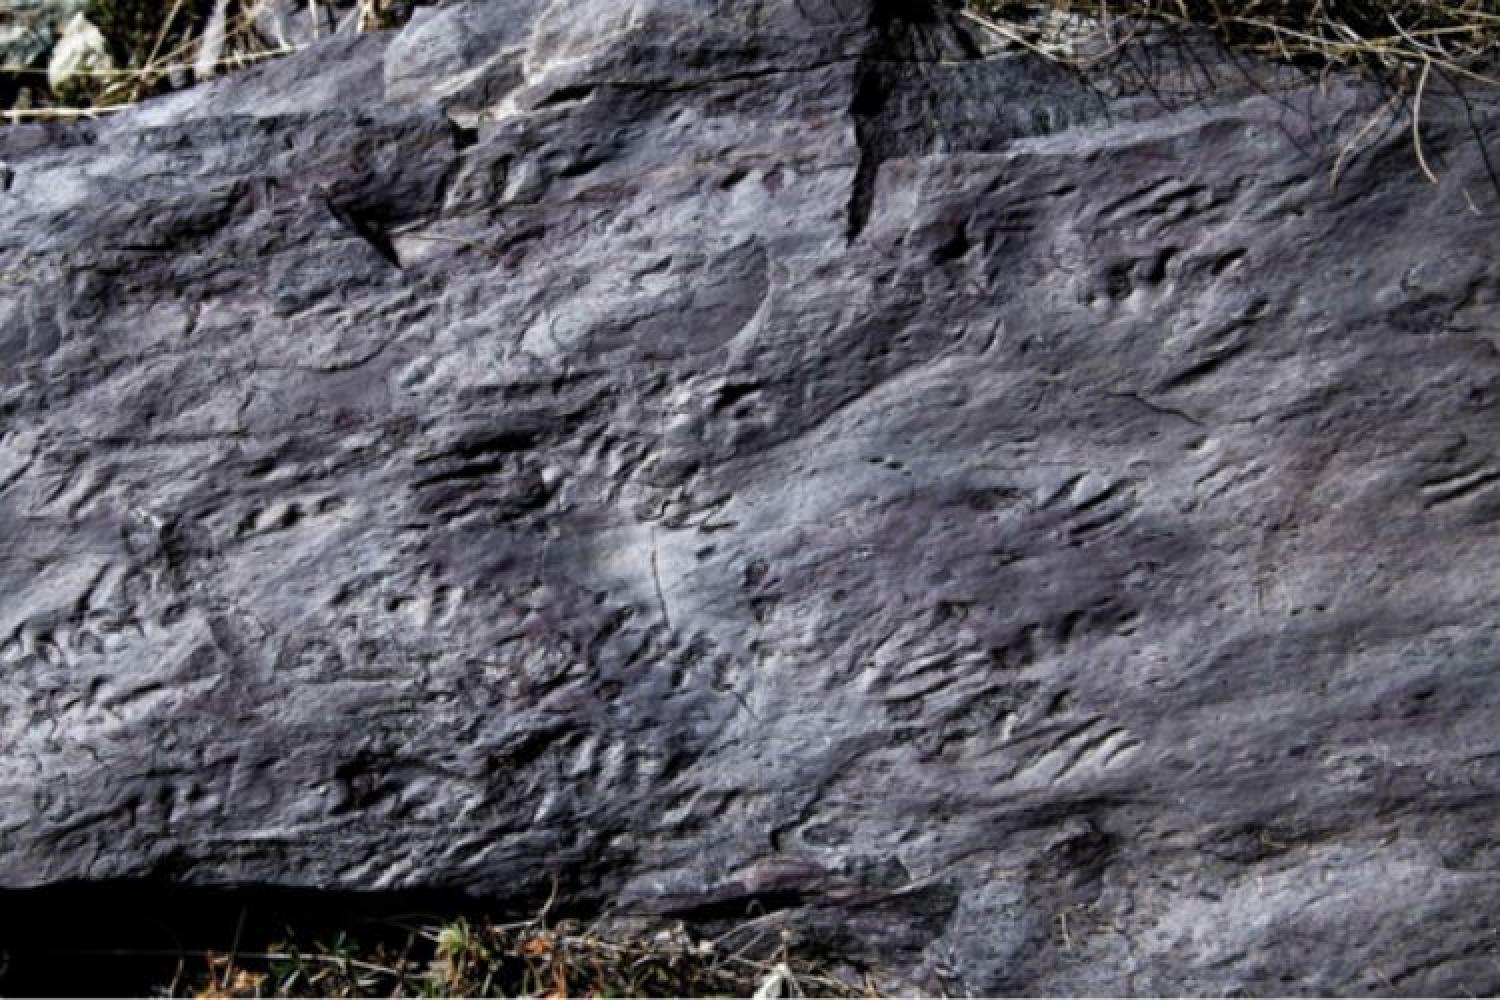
pixel 790 452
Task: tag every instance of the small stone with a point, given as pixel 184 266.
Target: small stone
pixel 293 23
pixel 22 45
pixel 82 50
pixel 29 28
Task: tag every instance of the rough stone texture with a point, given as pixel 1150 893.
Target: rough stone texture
pixel 779 451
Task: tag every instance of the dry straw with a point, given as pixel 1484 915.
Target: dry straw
pixel 1396 40
pixel 172 54
pixel 1402 44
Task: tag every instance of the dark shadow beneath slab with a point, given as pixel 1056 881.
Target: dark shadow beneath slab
pixel 135 938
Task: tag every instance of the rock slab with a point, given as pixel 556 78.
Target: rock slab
pixel 784 453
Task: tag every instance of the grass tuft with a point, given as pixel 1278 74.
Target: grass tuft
pixel 533 958
pixel 1408 47
pixel 157 43
pixel 1396 41
pixel 1403 43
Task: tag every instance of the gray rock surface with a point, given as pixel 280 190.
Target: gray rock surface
pixel 780 452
